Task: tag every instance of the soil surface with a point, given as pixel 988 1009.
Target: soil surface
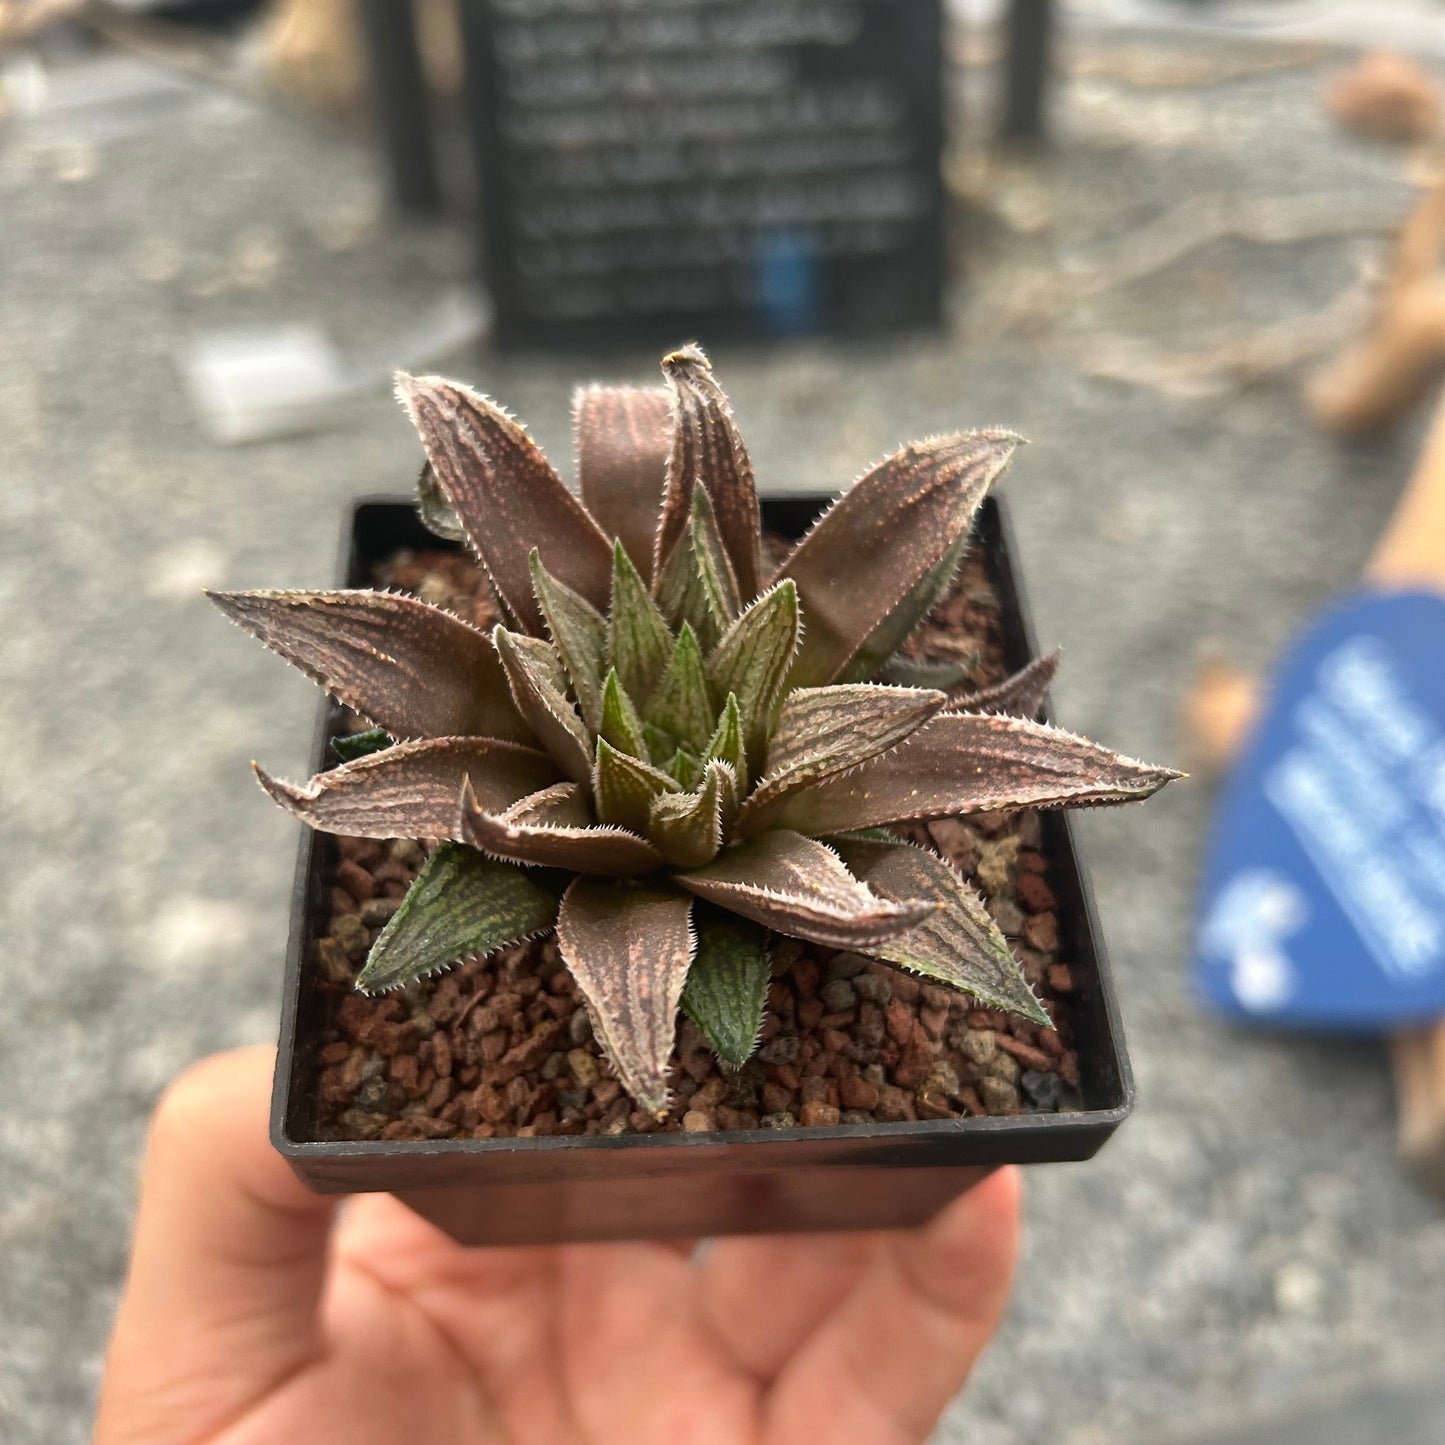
pixel 504 1046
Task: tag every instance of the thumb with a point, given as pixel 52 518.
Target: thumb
pixel 227 1263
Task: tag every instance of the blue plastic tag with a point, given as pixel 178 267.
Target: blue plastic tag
pixel 1324 890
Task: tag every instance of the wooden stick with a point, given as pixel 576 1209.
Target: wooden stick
pixel 1386 371
pixel 1410 553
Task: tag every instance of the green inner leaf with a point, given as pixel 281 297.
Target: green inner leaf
pixel 726 743
pixel 620 724
pixel 624 788
pixel 462 905
pixel 753 659
pixel 579 633
pixel 718 598
pixel 681 704
pixel 639 642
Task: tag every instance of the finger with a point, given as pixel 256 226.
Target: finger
pixel 764 1296
pixel 886 1363
pixel 227 1261
pixel 640 1364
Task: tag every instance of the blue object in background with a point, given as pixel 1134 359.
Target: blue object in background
pixel 1324 887
pixel 790 301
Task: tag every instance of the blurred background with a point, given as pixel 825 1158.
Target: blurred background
pixel 1148 234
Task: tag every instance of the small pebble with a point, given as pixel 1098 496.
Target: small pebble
pixel 781 1049
pixel 838 996
pixel 1043 1090
pixel 980 1046
pixel 848 965
pixel 818 1115
pixel 999 1096
pixel 376 912
pixel 584 1067
pixel 872 987
pixel 579 1027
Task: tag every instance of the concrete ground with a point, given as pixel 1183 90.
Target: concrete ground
pixel 1247 1242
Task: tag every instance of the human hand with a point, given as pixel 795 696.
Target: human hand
pixel 248 1320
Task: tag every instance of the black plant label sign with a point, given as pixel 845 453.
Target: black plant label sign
pixel 655 168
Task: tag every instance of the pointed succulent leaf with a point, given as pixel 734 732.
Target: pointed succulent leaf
pixel 539 688
pixel 1020 695
pixel 688 828
pixel 972 763
pixel 798 886
pixel 661 744
pixel 623 436
pixel 409 667
pixel 726 743
pixel 753 659
pixel 940 676
pixel 960 945
pixel 872 547
pixel 411 790
pixel 621 725
pixel 436 513
pixel 686 767
pixel 460 906
pixel 727 985
pixel 555 829
pixel 681 704
pixel 708 451
pixel 629 949
pixel 623 788
pixel 579 633
pixel 823 731
pixel 350 746
pixel 639 641
pixel 895 629
pixel 720 596
pixel 681 595
pixel 507 495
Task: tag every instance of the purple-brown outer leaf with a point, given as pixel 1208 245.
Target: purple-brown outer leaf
pixel 623 436
pixel 707 449
pixel 871 548
pixel 972 763
pixel 1020 695
pixel 629 950
pixel 411 790
pixel 411 668
pixel 826 730
pixel 539 688
pixel 959 945
pixel 507 496
pixel 883 643
pixel 555 829
pixel 798 886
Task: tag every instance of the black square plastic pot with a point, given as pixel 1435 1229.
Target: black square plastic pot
pixel 854 1176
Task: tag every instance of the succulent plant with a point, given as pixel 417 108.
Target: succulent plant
pixel 666 754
